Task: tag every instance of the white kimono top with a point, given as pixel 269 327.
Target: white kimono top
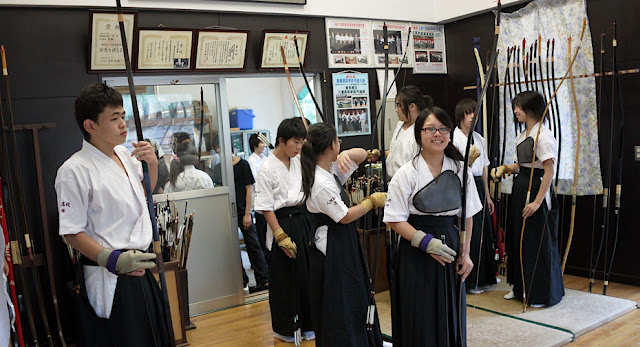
pixel 410 179
pixel 460 142
pixel 547 149
pixel 277 187
pixel 325 198
pixel 402 149
pixel 189 179
pixel 97 197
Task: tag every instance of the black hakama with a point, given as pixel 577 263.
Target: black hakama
pixel 289 278
pixel 482 254
pixel 340 289
pixel 425 296
pixel 545 286
pixel 137 317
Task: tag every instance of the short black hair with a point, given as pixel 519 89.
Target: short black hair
pixel 464 107
pixel 291 128
pixel 92 101
pixel 253 142
pixel 532 103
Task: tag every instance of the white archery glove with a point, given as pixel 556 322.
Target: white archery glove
pixel 429 244
pixel 120 263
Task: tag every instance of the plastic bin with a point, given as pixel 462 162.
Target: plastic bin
pixel 241 118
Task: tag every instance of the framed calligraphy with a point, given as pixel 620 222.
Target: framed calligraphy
pixel 165 49
pixel 105 49
pixel 221 50
pixel 272 40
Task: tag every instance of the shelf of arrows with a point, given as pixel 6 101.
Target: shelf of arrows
pixel 175 231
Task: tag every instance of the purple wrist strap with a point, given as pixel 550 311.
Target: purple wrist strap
pixel 113 260
pixel 423 244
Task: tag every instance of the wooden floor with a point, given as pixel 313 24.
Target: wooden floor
pixel 250 325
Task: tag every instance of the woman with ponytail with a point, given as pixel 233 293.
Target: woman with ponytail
pixel 339 281
pixel 183 175
pixel 409 103
pixel 423 207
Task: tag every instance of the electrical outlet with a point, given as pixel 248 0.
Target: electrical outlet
pixel 637 151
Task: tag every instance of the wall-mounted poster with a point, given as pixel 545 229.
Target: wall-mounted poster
pixel 348 42
pixel 221 49
pixel 165 49
pixel 351 103
pixel 428 48
pixel 106 45
pixel 398 35
pixel 273 40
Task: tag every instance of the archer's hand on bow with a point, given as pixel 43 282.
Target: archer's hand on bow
pixel 375 200
pixel 373 155
pixel 500 172
pixel 474 153
pixel 286 244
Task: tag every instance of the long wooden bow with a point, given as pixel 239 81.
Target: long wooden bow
pixel 147 182
pixel 533 159
pixel 465 167
pixel 294 95
pixel 575 170
pixel 306 81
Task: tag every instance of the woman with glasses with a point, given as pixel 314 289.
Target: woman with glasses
pixel 540 255
pixel 409 103
pixel 482 248
pixel 423 207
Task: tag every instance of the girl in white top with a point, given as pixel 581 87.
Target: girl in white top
pixel 540 238
pixel 183 175
pixel 482 247
pixel 423 207
pixel 409 103
pixel 339 280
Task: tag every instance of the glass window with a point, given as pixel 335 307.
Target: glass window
pixel 306 103
pixel 185 132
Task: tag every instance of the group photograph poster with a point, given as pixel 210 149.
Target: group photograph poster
pixel 397 36
pixel 351 103
pixel 428 48
pixel 348 42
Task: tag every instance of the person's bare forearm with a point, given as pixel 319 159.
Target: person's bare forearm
pixel 248 197
pixel 546 180
pixel 271 219
pixel 84 244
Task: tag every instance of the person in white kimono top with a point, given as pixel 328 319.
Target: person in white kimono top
pixel 339 281
pixel 540 258
pixel 257 144
pixel 279 198
pixel 482 245
pixel 183 175
pixel 103 215
pixel 403 147
pixel 432 262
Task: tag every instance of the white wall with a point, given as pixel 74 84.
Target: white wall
pixel 402 10
pixel 262 94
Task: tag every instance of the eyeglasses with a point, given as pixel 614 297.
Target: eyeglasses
pixel 432 130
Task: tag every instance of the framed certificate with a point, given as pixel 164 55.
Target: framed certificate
pixel 165 49
pixel 271 58
pixel 105 50
pixel 221 49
